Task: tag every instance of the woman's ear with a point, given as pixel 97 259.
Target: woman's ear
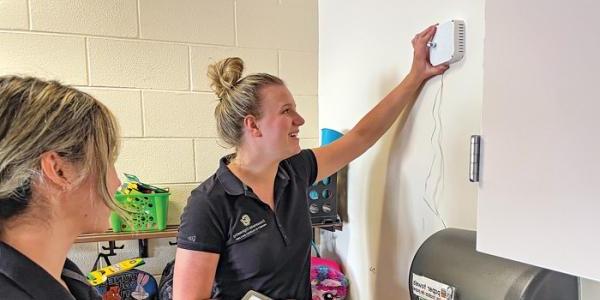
pixel 251 125
pixel 56 170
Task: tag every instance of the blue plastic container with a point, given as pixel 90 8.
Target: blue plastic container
pixel 329 135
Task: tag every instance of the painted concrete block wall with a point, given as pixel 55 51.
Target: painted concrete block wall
pixel 147 61
pixel 364 51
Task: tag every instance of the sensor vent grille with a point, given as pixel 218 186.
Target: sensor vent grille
pixel 461 37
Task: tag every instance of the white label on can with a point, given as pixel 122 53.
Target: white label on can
pixel 429 289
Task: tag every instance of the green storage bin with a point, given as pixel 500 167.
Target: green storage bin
pixel 149 212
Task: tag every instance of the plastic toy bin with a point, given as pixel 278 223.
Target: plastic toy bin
pixel 148 212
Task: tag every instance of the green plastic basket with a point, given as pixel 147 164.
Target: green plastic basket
pixel 149 212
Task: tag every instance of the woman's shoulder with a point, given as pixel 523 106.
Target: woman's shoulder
pixel 22 278
pixel 302 164
pixel 209 193
pixel 13 283
pixel 10 290
pixel 305 156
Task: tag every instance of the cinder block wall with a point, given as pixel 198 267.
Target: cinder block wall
pixel 147 60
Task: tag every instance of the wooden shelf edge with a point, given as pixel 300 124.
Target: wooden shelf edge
pixel 170 231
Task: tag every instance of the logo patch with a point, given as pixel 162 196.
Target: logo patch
pixel 245 220
pixel 250 229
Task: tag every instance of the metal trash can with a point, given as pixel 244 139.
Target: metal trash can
pixel 449 257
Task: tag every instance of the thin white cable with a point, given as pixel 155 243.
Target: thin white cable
pixel 433 157
pixel 440 179
pixel 433 203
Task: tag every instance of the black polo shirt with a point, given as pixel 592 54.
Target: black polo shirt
pixel 260 249
pixel 21 278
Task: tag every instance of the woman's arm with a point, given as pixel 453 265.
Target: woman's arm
pixel 376 122
pixel 194 274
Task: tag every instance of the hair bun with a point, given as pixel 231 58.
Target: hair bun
pixel 224 75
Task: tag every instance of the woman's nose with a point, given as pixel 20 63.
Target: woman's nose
pixel 299 121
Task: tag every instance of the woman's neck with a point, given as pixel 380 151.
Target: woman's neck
pixel 44 245
pixel 253 167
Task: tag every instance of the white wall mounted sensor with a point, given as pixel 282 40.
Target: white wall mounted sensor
pixel 448 44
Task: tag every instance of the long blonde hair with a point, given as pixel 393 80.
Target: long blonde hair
pixel 238 97
pixel 37 116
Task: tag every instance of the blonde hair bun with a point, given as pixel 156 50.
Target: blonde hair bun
pixel 238 96
pixel 224 75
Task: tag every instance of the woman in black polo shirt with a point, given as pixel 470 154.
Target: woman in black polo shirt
pixel 247 227
pixel 57 152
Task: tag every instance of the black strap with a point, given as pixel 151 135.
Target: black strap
pixel 314 246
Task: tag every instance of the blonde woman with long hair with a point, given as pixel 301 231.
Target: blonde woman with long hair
pixel 58 146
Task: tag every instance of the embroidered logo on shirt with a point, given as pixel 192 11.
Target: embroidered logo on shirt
pixel 249 230
pixel 245 220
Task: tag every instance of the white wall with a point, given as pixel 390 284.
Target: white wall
pixel 147 61
pixel 364 51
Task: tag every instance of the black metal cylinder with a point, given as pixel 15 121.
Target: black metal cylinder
pixel 450 257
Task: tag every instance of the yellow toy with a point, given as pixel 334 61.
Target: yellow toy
pixel 101 275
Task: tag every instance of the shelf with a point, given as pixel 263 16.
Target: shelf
pixel 330 226
pixel 170 231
